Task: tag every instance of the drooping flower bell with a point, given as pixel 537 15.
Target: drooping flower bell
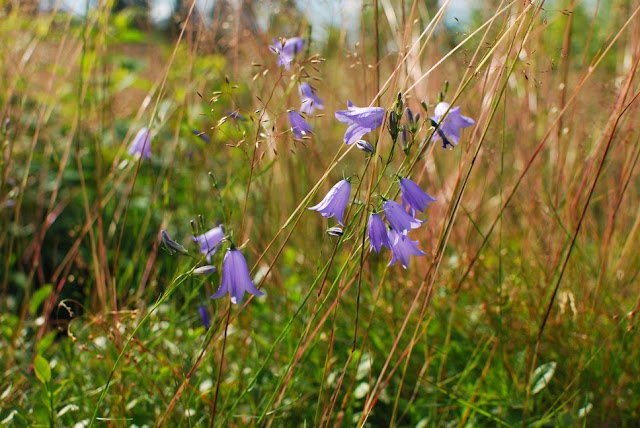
pixel 335 202
pixel 210 241
pixel 235 278
pixel 398 218
pixel 299 126
pixel 309 99
pixel 286 51
pixel 403 248
pixel 414 196
pixel 361 120
pixel 377 231
pixel 141 144
pixel 449 130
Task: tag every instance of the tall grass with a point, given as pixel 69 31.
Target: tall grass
pixel 522 312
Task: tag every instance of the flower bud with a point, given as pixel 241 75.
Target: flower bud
pixel 365 146
pixel 335 231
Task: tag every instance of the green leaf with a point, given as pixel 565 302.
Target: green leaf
pixel 46 342
pixel 42 369
pixel 542 375
pixel 38 297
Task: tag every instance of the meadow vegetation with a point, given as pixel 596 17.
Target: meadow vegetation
pixel 521 312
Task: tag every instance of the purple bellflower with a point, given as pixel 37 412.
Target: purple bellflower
pixel 210 241
pixel 377 233
pixel 398 218
pixel 403 248
pixel 414 196
pixel 335 202
pixel 361 120
pixel 141 144
pixel 449 130
pixel 310 100
pixel 299 126
pixel 235 278
pixel 287 51
pixel 204 316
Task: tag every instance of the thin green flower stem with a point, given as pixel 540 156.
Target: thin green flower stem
pixel 197 364
pixel 398 69
pixel 360 209
pixel 174 285
pixel 412 342
pixel 293 218
pixel 299 208
pixel 542 143
pixel 337 158
pixel 295 352
pixel 224 347
pixel 255 151
pixel 360 275
pixel 329 355
pixel 284 333
pixel 462 186
pixel 437 259
pixel 469 37
pixel 565 262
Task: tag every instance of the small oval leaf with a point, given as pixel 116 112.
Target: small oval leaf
pixel 542 375
pixel 42 369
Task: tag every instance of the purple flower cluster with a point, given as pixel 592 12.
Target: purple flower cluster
pixel 401 222
pixel 286 52
pixel 236 279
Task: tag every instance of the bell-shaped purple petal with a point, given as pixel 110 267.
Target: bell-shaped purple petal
pixel 414 196
pixel 299 126
pixel 141 144
pixel 403 248
pixel 310 100
pixel 361 120
pixel 449 129
pixel 210 241
pixel 377 233
pixel 235 278
pixel 287 51
pixel 398 218
pixel 335 202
